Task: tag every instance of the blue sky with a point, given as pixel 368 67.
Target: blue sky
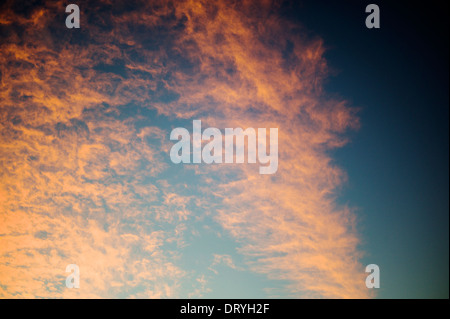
pixel 397 163
pixel 86 115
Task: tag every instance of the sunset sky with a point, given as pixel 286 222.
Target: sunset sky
pixel 363 140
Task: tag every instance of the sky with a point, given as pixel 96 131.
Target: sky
pixel 86 176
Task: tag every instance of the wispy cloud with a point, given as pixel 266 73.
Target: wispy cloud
pixel 85 174
pixel 223 259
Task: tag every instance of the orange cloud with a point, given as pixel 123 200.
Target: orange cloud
pixel 80 179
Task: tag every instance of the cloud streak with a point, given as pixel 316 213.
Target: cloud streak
pixel 85 172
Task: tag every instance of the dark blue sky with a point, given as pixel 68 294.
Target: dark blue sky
pixel 397 163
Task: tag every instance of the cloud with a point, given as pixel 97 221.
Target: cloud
pixel 223 259
pixel 85 174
